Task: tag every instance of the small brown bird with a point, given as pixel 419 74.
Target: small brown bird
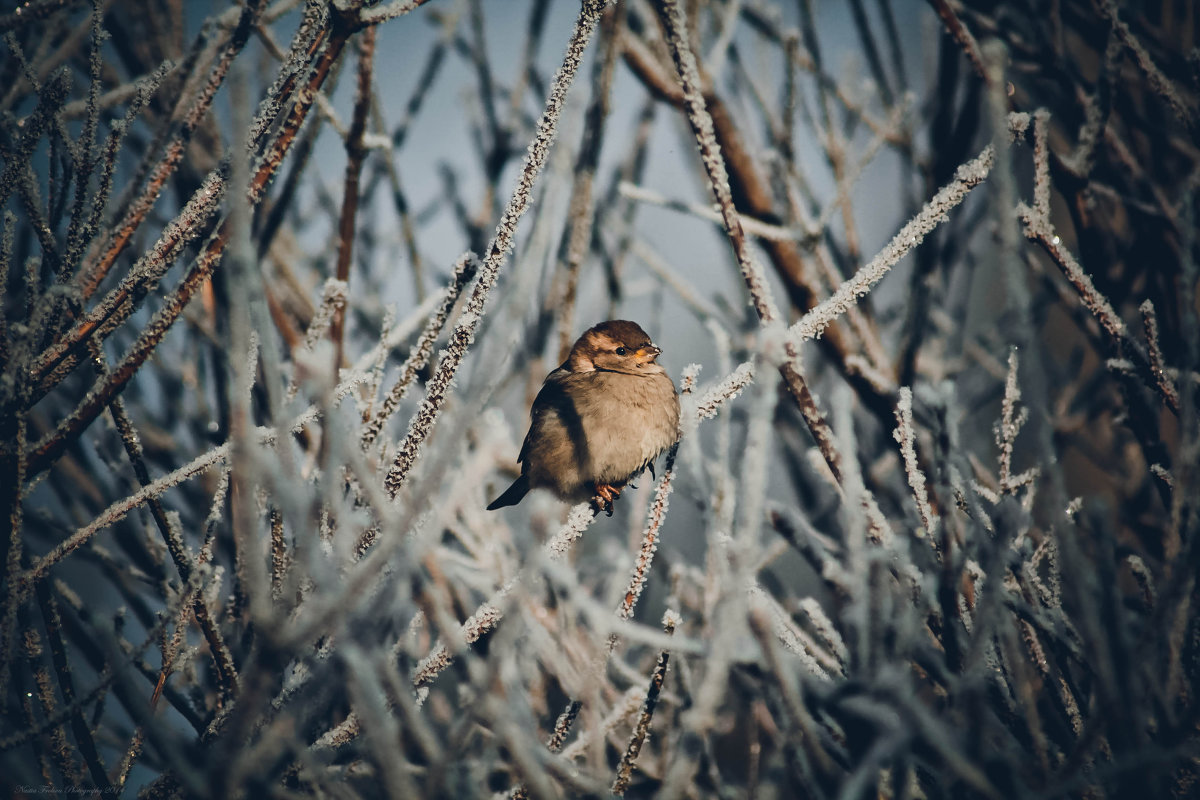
pixel 601 418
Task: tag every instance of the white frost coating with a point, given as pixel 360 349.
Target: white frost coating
pixel 711 401
pixel 334 296
pixel 818 663
pixel 905 434
pixel 1040 229
pixel 650 537
pixel 825 628
pixel 966 178
pixel 344 731
pixel 624 708
pixel 1119 365
pixel 1158 366
pixel 1160 472
pixel 485 619
pixel 687 380
pixel 882 383
pixel 212 589
pixel 773 342
pixel 313 369
pixel 578 520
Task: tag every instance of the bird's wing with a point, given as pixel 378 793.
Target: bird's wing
pixel 551 398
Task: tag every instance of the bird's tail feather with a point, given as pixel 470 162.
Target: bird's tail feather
pixel 512 495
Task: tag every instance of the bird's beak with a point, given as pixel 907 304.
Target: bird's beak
pixel 646 355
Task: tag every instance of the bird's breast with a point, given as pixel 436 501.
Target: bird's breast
pixel 628 421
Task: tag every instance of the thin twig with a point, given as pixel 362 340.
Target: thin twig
pixel 355 153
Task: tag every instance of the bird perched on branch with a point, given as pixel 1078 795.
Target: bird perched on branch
pixel 600 419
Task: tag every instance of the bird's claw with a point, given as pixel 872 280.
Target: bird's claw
pixel 605 495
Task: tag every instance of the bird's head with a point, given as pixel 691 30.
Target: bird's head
pixel 615 346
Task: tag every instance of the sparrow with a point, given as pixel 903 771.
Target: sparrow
pixel 600 419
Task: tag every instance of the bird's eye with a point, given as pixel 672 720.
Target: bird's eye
pixel 621 351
